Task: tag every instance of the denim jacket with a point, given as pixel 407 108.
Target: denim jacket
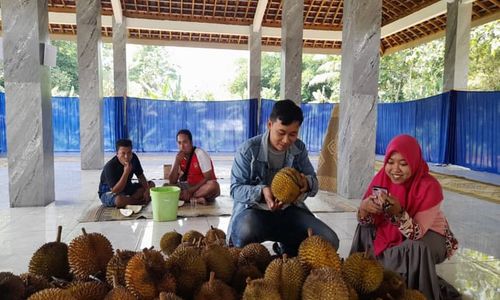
pixel 249 173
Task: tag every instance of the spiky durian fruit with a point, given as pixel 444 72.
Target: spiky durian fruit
pixel 117 265
pixel 363 272
pixel 235 254
pixel 146 275
pixel 169 296
pixel 286 185
pixel 315 252
pixel 192 236
pixel 11 286
pixel 325 284
pixel 91 290
pixel 34 283
pixel 169 241
pixel 189 269
pixel 392 287
pixel 218 260
pixel 239 281
pixel 256 254
pixel 215 235
pixel 288 275
pixel 51 260
pixel 119 292
pixel 89 254
pixel 411 294
pixel 215 289
pixel 258 289
pixel 52 294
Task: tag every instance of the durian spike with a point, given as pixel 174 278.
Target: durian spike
pixel 309 231
pixel 198 244
pixel 163 296
pixel 211 281
pixel 389 296
pixel 249 279
pixel 115 280
pixel 59 231
pixel 285 257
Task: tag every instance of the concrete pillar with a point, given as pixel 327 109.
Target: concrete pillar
pixel 254 69
pixel 88 22
pixel 358 96
pixel 292 25
pixel 456 53
pixel 120 57
pixel 28 103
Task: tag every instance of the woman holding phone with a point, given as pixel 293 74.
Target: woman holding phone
pixel 400 218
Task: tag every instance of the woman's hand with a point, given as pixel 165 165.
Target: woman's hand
pixel 391 205
pixel 370 206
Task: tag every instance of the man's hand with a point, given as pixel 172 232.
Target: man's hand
pixel 270 201
pixel 304 184
pixel 127 167
pixel 186 195
pixel 179 157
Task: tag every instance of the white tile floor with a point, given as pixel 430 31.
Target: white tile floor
pixel 474 270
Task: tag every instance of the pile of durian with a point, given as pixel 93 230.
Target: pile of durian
pixel 200 267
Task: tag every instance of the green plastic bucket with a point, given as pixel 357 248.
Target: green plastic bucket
pixel 165 201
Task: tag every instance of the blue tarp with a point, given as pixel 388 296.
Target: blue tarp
pixel 460 128
pixel 313 129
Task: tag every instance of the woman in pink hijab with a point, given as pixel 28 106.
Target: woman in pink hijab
pixel 400 218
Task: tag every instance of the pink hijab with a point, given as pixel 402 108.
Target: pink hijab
pixel 420 192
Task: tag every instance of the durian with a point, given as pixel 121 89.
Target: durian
pixel 146 275
pixel 117 265
pixel 218 259
pixel 257 254
pixel 286 185
pixel 169 241
pixel 325 284
pixel 91 290
pixel 11 286
pixel 243 272
pixel 189 269
pixel 52 294
pixel 215 235
pixel 169 296
pixel 192 236
pixel 215 289
pixel 363 272
pixel 89 254
pixel 288 275
pixel 119 292
pixel 34 283
pixel 315 252
pixel 51 260
pixel 392 287
pixel 258 289
pixel 411 294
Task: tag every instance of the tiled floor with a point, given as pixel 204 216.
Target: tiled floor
pixel 474 270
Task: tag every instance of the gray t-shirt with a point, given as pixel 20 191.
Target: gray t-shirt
pixel 276 162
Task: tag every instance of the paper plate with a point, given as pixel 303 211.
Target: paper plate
pixel 181 203
pixel 135 208
pixel 126 212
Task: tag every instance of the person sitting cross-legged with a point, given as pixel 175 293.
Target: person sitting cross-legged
pixel 116 187
pixel 193 171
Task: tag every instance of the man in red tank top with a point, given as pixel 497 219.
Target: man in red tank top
pixel 193 171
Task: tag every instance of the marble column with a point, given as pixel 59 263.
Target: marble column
pixel 88 22
pixel 292 26
pixel 456 53
pixel 254 70
pixel 28 103
pixel 358 96
pixel 120 57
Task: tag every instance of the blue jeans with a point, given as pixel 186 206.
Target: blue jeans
pixel 288 227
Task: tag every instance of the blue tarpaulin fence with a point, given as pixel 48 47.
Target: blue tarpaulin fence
pixel 460 128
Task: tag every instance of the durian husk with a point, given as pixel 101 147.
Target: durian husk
pixel 119 292
pixel 192 236
pixel 169 241
pixel 146 275
pixel 392 287
pixel 218 259
pixel 34 283
pixel 51 259
pixel 235 254
pixel 239 281
pixel 325 284
pixel 90 290
pixel 189 270
pixel 285 185
pixel 11 286
pixel 256 254
pixel 411 294
pixel 363 272
pixel 288 274
pixel 88 255
pixel 315 252
pixel 215 289
pixel 52 294
pixel 258 289
pixel 215 235
pixel 169 296
pixel 117 265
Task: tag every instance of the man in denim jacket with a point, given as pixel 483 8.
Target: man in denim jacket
pixel 257 216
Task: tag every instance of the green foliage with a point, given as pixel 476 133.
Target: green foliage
pixel 484 59
pixel 64 76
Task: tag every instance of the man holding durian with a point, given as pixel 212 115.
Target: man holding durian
pixel 264 210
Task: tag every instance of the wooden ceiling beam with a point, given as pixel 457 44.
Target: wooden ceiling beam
pixel 117 11
pixel 259 15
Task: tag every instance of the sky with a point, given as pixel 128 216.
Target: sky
pixel 203 69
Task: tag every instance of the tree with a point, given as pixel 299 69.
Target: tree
pixel 153 75
pixel 484 59
pixel 64 76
